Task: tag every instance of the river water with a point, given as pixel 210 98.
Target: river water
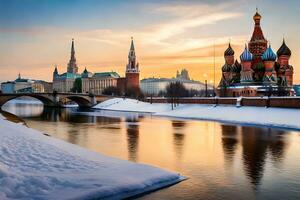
pixel 221 161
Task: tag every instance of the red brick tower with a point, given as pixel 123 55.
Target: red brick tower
pixel 257 46
pixel 132 70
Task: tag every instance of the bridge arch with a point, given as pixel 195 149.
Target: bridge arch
pixel 45 100
pixel 81 101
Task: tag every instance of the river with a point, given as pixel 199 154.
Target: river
pixel 221 161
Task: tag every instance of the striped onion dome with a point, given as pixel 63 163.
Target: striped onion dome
pixel 246 55
pixel 284 50
pixel 269 55
pixel 229 51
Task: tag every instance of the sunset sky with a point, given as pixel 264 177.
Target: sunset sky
pixel 169 35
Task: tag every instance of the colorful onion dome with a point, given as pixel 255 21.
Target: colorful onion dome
pixel 226 68
pixel 246 55
pixel 269 55
pixel 284 50
pixel 229 51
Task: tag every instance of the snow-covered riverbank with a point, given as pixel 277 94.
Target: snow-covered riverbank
pixel 277 117
pixel 34 166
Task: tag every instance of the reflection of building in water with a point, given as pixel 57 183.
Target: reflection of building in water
pixel 132 139
pixel 178 137
pixel 229 141
pixel 256 142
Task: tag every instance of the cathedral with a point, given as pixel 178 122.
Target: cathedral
pixel 95 83
pixel 260 71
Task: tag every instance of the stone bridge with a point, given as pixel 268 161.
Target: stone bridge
pixel 58 99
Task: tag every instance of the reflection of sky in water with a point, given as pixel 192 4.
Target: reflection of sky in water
pixel 221 161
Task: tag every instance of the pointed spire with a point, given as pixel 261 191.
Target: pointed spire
pixel 55 70
pixel 132 45
pixel 72 66
pixel 72 49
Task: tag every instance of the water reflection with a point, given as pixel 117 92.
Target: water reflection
pixel 256 144
pixel 178 137
pixel 229 141
pixel 221 161
pixel 132 131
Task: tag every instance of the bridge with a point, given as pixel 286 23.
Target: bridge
pixel 58 99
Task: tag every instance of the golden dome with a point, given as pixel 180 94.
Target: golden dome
pixel 257 16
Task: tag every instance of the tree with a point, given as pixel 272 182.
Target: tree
pixel 77 86
pixel 111 90
pixel 174 91
pixel 134 92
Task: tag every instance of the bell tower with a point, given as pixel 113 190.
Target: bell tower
pixel 132 69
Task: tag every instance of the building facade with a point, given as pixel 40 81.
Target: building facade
pixel 260 71
pixel 22 85
pixel 155 86
pixel 95 83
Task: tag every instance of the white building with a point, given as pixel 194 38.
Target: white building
pixel 96 83
pixel 22 85
pixel 153 86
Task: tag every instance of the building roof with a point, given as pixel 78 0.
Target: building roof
pixel 107 74
pixel 284 50
pixel 269 55
pixel 69 75
pixel 229 51
pixel 257 32
pixel 246 55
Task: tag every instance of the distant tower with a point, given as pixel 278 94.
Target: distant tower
pixel 72 66
pixel 132 69
pixel 258 44
pixel 55 72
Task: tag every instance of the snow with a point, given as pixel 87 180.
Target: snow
pixel 35 166
pixel 276 117
pixel 131 105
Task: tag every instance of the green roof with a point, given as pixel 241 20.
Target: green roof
pixel 69 75
pixel 107 74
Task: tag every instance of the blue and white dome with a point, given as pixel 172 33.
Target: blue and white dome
pixel 246 55
pixel 269 55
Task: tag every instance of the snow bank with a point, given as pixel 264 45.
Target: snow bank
pixel 34 166
pixel 131 105
pixel 278 117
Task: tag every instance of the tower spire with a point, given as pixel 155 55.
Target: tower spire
pixel 72 66
pixel 132 64
pixel 132 45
